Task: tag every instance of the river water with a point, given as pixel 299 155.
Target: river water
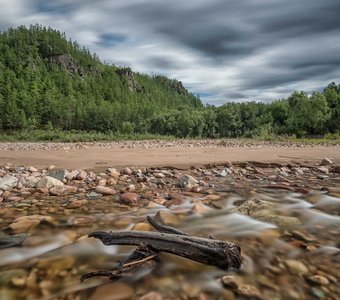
pixel 290 247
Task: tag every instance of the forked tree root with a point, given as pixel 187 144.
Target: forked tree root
pixel 224 255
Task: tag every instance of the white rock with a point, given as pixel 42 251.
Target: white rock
pixel 49 182
pixel 326 162
pixel 186 180
pixel 8 182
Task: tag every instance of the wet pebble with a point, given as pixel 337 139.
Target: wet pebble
pixel 129 198
pixel 63 190
pixel 76 203
pixel 27 223
pixel 105 190
pixel 296 267
pixel 318 280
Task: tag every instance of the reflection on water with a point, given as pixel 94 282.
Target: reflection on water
pixel 277 231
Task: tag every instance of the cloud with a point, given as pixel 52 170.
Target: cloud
pixel 222 50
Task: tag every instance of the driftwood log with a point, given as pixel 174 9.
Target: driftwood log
pixel 224 255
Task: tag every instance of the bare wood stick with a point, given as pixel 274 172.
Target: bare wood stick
pixel 163 228
pixel 221 254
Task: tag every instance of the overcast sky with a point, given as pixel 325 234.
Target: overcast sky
pixel 220 49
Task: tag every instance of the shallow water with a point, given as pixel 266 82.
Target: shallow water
pixel 280 227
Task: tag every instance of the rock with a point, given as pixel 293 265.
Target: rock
pixel 8 182
pixel 27 223
pixel 76 203
pixel 159 175
pixel 298 171
pixel 32 169
pixel 142 226
pixel 201 209
pixel 55 264
pixel 324 170
pixel 249 291
pixel 81 175
pixel 113 172
pixel 126 171
pixel 7 276
pixel 296 267
pixel 326 162
pixel 318 280
pixel 281 221
pixel 93 195
pixel 111 181
pixel 303 237
pixel 31 181
pixel 186 180
pixel 49 182
pixel 113 291
pixel 104 190
pixel 230 281
pixel 63 190
pixel 19 281
pixel 151 296
pixel 129 198
pixel 323 177
pixel 223 173
pixel 12 240
pixel 167 218
pixel 250 207
pixel 102 182
pixel 337 169
pixel 58 174
pixel 72 175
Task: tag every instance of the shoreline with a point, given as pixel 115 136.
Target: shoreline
pixel 179 154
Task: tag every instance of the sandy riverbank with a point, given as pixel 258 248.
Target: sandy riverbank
pixel 157 153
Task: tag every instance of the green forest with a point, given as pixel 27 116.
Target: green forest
pixel 49 82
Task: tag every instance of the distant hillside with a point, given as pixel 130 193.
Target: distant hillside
pixel 47 80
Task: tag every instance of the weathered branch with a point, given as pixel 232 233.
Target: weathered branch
pixel 221 254
pixel 224 255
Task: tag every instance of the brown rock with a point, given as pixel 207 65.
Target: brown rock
pixel 126 171
pixel 102 181
pixel 230 281
pixel 27 223
pixel 296 267
pixel 113 291
pixel 76 203
pixel 337 169
pixel 167 217
pixel 201 209
pixel 105 190
pixel 319 280
pixel 81 175
pixel 152 296
pixel 129 198
pixel 32 169
pixel 249 291
pixel 111 181
pixel 63 190
pixel 113 172
pixel 324 170
pixel 142 227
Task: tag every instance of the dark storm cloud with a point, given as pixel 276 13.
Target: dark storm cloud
pixel 221 49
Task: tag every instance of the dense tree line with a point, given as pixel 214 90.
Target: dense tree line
pixel 47 81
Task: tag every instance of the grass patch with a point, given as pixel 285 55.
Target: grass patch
pixel 56 135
